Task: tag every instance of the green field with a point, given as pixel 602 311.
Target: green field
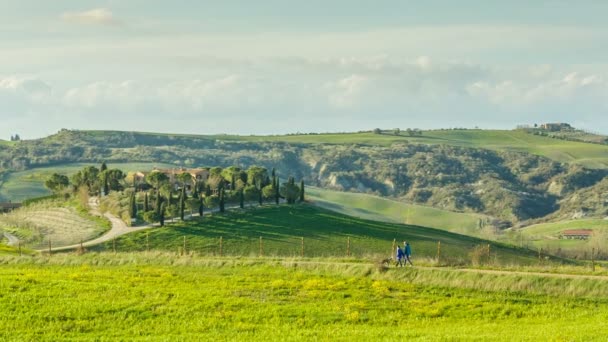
pixel 19 186
pixel 546 236
pixel 155 297
pixel 589 155
pixel 382 209
pixel 325 233
pixel 553 229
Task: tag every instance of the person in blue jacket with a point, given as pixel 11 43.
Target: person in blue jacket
pixel 400 256
pixel 407 252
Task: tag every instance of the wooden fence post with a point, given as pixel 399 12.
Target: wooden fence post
pixel 147 241
pixel 81 247
pixel 438 251
pixel 540 252
pixel 19 244
pixel 348 246
pixel 221 241
pixel 302 250
pixel 488 252
pixel 184 249
pixel 393 248
pixel 593 259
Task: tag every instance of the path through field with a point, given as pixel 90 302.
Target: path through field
pixel 12 239
pixel 119 227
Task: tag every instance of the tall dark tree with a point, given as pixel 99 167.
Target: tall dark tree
pixel 146 204
pixel 241 199
pixel 201 206
pixel 103 167
pixel 260 194
pixel 182 203
pixel 302 191
pixel 277 193
pixel 222 200
pixel 106 185
pixel 133 206
pixel 161 216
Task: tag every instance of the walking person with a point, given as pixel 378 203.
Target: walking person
pixel 400 256
pixel 407 253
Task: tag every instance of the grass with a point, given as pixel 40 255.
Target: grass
pixel 19 186
pixel 325 233
pixel 589 155
pixel 554 229
pixel 152 297
pixel 386 210
pixel 546 236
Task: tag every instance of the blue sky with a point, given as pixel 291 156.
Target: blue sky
pixel 269 67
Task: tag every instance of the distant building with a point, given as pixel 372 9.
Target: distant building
pixel 576 234
pixel 7 207
pixel 139 177
pixel 556 127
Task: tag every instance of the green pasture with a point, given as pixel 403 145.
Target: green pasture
pixel 18 186
pixel 139 297
pixel 554 229
pixel 325 233
pixel 589 155
pixel 386 210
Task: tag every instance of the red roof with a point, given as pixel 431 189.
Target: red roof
pixel 577 232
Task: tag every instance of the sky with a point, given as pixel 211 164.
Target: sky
pixel 273 67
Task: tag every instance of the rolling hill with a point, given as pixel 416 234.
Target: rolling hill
pixel 325 233
pixel 513 176
pixel 376 208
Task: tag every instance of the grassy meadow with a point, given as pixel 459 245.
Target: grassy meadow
pixel 589 155
pixel 386 210
pixel 546 236
pixel 156 297
pixel 18 186
pixel 325 233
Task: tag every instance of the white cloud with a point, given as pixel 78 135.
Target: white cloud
pixel 97 16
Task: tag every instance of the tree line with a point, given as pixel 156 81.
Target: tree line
pixel 160 196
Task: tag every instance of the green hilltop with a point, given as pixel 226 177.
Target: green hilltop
pixel 326 234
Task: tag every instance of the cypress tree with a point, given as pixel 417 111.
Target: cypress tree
pixel 104 167
pixel 182 203
pixel 241 199
pixel 106 186
pixel 277 194
pixel 162 215
pixel 146 207
pixel 302 190
pixel 201 206
pixel 222 200
pixel 133 206
pixel 159 201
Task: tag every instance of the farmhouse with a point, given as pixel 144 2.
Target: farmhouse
pixel 556 127
pixel 139 177
pixel 7 207
pixel 576 234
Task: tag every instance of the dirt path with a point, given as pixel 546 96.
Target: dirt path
pixel 119 227
pixel 12 239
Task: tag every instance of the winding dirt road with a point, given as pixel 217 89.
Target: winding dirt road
pixel 12 239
